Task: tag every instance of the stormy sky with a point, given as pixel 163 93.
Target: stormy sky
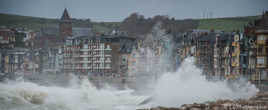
pixel 117 10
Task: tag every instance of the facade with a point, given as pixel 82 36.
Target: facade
pixel 237 59
pixel 98 55
pixel 51 60
pixel 132 61
pixel 258 37
pixel 15 47
pixel 227 59
pixel 231 55
pixel 205 54
pixel 7 38
pixel 12 60
pixel 217 58
pixel 209 49
pixel 86 55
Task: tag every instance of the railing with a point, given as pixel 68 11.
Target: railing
pixel 85 61
pixel 107 67
pixel 235 53
pixel 98 61
pixel 261 42
pixel 108 61
pixel 84 49
pixel 108 55
pixel 76 56
pixel 235 64
pixel 83 67
pixel 85 55
pixel 108 49
pixel 235 44
pixel 261 65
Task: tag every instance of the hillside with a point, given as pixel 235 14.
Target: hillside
pixel 25 21
pixel 35 23
pixel 225 24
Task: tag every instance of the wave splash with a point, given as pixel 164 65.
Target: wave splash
pixel 30 96
pixel 187 85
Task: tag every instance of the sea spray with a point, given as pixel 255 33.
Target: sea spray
pixel 172 89
pixel 31 96
pixel 188 85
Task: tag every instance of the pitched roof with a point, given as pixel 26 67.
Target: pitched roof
pixel 65 15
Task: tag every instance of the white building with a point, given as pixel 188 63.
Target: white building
pixel 86 55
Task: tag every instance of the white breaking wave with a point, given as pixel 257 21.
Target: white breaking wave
pixel 30 96
pixel 187 85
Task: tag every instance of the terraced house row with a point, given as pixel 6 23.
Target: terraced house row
pixel 231 55
pixel 15 46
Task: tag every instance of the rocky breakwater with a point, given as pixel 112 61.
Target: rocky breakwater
pixel 259 102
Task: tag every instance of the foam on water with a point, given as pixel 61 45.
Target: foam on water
pixel 185 86
pixel 30 96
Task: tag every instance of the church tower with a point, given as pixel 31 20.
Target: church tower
pixel 65 26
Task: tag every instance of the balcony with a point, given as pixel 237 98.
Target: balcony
pixel 98 61
pixel 99 55
pixel 236 44
pixel 85 49
pixel 235 54
pixel 76 55
pixel 261 53
pixel 85 61
pixel 85 56
pixel 261 65
pixel 4 41
pixel 99 49
pixel 260 42
pixel 83 68
pixel 95 67
pixel 108 49
pixel 107 55
pixel 235 64
pixel 101 68
pixel 107 67
pixel 108 61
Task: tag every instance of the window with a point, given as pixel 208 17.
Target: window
pixel 16 59
pixel 101 65
pixel 263 74
pixel 108 60
pixel 261 60
pixel 85 53
pixel 84 65
pixel 108 66
pixel 68 42
pixel 85 46
pixel 108 47
pixel 102 46
pixel 261 37
pixel 133 54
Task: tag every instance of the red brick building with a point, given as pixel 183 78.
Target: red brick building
pixel 65 25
